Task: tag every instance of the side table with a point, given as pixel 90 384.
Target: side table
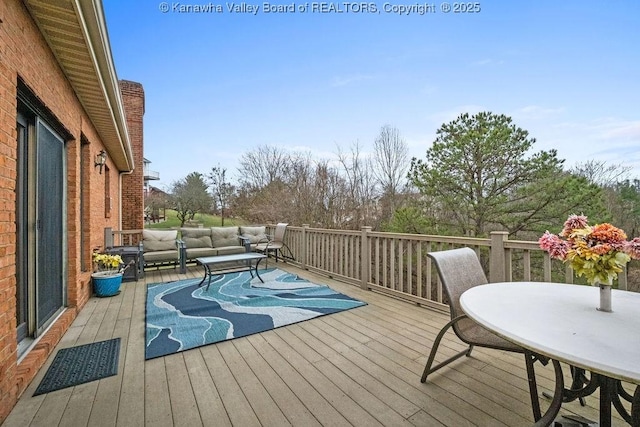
pixel 129 254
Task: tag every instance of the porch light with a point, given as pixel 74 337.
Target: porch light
pixel 101 160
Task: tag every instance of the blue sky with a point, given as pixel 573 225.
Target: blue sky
pixel 220 84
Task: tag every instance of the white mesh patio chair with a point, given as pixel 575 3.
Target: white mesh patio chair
pixel 459 270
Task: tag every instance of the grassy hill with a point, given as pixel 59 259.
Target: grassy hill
pixel 206 220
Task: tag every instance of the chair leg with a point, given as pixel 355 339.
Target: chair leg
pixel 289 253
pixel 428 369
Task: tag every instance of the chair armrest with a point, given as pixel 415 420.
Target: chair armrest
pixel 246 242
pixel 182 254
pixel 266 239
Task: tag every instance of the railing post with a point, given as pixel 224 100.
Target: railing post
pixel 622 279
pixel 365 259
pixel 497 257
pixel 303 250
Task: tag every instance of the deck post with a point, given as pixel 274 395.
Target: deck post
pixel 303 249
pixel 365 262
pixel 497 265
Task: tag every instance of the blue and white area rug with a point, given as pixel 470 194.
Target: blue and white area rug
pixel 180 315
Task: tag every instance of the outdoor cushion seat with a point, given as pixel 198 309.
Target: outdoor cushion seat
pixel 160 247
pixel 255 234
pixel 161 256
pixel 211 241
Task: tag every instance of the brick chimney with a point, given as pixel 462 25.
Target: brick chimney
pixel 133 184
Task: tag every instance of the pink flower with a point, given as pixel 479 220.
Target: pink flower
pixel 632 248
pixel 573 222
pixel 598 253
pixel 553 244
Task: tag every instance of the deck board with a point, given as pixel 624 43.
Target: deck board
pixel 360 367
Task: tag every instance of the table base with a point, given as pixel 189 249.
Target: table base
pixel 611 394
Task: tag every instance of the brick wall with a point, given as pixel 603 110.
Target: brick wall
pixel 133 184
pixel 25 54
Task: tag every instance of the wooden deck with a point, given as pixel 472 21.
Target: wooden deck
pixel 360 367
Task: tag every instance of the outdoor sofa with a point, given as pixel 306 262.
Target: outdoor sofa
pixel 161 247
pixel 177 247
pixel 212 241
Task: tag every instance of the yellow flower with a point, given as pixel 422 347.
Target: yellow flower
pixel 106 262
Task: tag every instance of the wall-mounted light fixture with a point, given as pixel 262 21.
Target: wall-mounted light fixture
pixel 101 160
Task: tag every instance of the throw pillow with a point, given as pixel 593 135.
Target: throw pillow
pixel 159 240
pixel 224 236
pixel 254 234
pixel 197 242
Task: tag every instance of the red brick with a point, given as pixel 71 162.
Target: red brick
pixel 25 55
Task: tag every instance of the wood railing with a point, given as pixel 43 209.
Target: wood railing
pixel 121 237
pixel 397 264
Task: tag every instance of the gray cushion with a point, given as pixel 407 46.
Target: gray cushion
pixel 161 256
pixel 230 250
pixel 197 242
pixel 224 236
pixel 195 232
pixel 254 234
pixel 159 240
pixel 193 253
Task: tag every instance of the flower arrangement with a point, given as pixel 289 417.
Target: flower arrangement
pixel 596 252
pixel 108 263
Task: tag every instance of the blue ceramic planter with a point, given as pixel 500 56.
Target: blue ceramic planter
pixel 106 284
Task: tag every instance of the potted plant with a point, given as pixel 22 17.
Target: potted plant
pixel 597 252
pixel 107 275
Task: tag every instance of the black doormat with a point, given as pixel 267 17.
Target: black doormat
pixel 81 364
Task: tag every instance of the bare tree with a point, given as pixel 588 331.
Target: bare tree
pixel 222 189
pixel 361 186
pixel 391 165
pixel 601 173
pixel 263 166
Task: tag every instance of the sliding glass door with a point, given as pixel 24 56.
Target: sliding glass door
pixel 40 225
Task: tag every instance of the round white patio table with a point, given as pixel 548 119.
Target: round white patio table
pixel 561 322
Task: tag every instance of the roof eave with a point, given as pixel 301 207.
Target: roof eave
pixel 77 34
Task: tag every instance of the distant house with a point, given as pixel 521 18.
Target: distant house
pixel 149 176
pixel 155 205
pixel 70 165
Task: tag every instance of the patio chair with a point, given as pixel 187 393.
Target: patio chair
pixel 275 244
pixel 459 270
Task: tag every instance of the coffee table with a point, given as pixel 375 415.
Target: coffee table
pixel 245 262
